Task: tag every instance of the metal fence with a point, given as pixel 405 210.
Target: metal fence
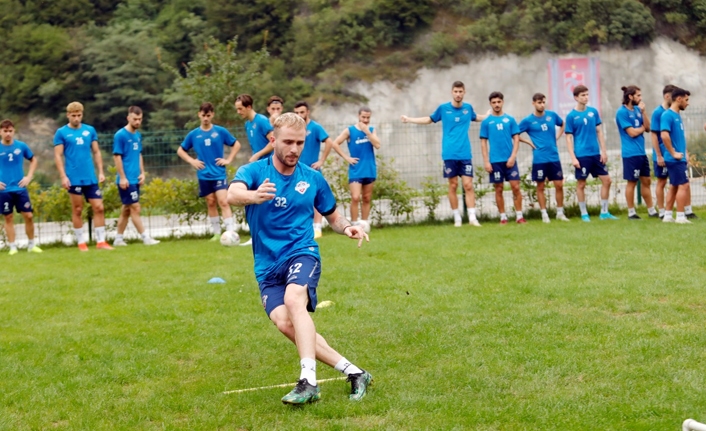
pixel 413 150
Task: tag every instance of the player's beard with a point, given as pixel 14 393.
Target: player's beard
pixel 283 159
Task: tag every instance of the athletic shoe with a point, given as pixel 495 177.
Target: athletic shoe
pixel 359 385
pixel 104 246
pixel 474 222
pixel 661 217
pixel 692 216
pixel 83 247
pixel 302 393
pixel 35 249
pixel 521 221
pixel 635 217
pixel 504 221
pixel 667 220
pixel 585 218
pixel 216 237
pixel 546 219
pixel 607 216
pixel 562 217
pixel 248 242
pixel 150 241
pixel 317 233
pixel 13 252
pixel 654 215
pixel 458 222
pixel 682 221
pixel 119 243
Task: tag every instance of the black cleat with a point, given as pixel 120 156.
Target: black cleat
pixel 692 216
pixel 359 385
pixel 655 215
pixel 303 393
pixel 634 217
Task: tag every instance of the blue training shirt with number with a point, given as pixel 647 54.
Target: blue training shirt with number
pixel 626 118
pixel 281 228
pixel 315 135
pixel 360 146
pixel 542 132
pixel 499 130
pixel 128 146
pixel 77 153
pixel 12 158
pixel 656 128
pixel 672 123
pixel 582 125
pixel 209 147
pixel 455 144
pixel 257 131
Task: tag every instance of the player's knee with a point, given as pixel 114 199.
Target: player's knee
pixel 98 209
pixel 453 183
pixel 28 217
pixel 296 298
pixel 367 199
pixel 135 209
pixel 355 197
pixel 9 219
pixel 608 181
pixel 282 322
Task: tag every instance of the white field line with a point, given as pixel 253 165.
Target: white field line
pixel 284 385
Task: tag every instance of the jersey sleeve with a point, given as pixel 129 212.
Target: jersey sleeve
pixel 623 119
pixel 514 128
pixel 188 143
pixel 322 135
pixel 557 119
pixel 569 130
pixel 325 201
pixel 655 123
pixel 436 116
pixel 665 123
pixel 229 138
pixel 472 112
pixel 247 174
pixel 484 130
pixel 266 126
pixel 93 135
pixel 27 153
pixel 524 125
pixel 58 138
pixel 118 145
pixel 598 118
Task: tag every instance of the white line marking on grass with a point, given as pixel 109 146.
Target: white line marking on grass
pixel 284 385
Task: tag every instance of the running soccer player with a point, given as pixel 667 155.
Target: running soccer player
pixel 362 171
pixel 456 118
pixel 311 153
pixel 127 153
pixel 257 126
pixel 632 125
pixel 500 142
pixel 676 156
pixel 658 149
pixel 78 144
pixel 546 164
pixel 209 141
pixel 13 185
pixel 287 261
pixel 584 138
pixel 275 104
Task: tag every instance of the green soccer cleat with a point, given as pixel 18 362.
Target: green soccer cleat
pixel 13 252
pixel 359 385
pixel 302 393
pixel 216 237
pixel 35 249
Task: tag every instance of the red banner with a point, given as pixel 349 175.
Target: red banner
pixel 567 73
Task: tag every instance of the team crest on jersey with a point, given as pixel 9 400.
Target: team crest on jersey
pixel 549 118
pixel 506 120
pixel 264 301
pixel 86 133
pixel 465 111
pixel 308 132
pixel 301 187
pixel 214 135
pixel 17 151
pixel 254 126
pixel 590 114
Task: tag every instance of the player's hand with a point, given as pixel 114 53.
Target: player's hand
pixel 222 162
pixel 678 156
pixel 198 165
pixel 352 160
pixel 363 127
pixel 2 186
pixel 124 183
pixel 510 162
pixel 356 232
pixel 488 167
pixel 604 158
pixel 405 119
pixel 576 163
pixel 641 105
pixel 266 192
pixel 24 182
pixel 101 178
pixel 660 162
pixel 317 165
pixel 65 183
pixel 141 179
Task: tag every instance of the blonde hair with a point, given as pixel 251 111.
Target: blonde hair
pixel 74 107
pixel 289 119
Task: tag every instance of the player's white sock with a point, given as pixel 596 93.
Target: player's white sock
pixel 78 231
pixel 143 235
pixel 661 212
pixel 119 237
pixel 518 215
pixel 471 213
pixel 230 224
pixel 687 209
pixel 631 211
pixel 503 216
pixel 30 244
pixel 544 213
pixel 346 367
pixel 584 211
pixel 680 216
pixel 457 215
pixel 651 211
pixel 355 223
pixel 559 211
pixel 668 215
pixel 216 225
pixel 100 234
pixel 13 246
pixel 317 226
pixel 604 206
pixel 308 371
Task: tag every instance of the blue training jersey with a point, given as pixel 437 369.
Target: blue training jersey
pixel 257 131
pixel 209 147
pixel 77 153
pixel 12 158
pixel 281 228
pixel 582 125
pixel 129 147
pixel 672 123
pixel 360 146
pixel 542 132
pixel 499 130
pixel 455 144
pixel 655 125
pixel 625 118
pixel 315 135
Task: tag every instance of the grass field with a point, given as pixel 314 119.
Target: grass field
pixel 574 326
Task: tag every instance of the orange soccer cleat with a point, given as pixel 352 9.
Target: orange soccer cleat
pixel 104 246
pixel 83 247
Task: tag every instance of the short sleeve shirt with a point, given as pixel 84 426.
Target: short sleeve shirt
pixel 582 125
pixel 672 123
pixel 129 147
pixel 542 132
pixel 315 135
pixel 257 131
pixel 655 125
pixel 12 158
pixel 209 147
pixel 499 130
pixel 455 144
pixel 626 118
pixel 77 153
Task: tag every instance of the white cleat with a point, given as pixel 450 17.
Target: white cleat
pixel 682 221
pixel 248 242
pixel 667 220
pixel 474 222
pixel 562 217
pixel 150 241
pixel 545 219
pixel 119 243
pixel 458 222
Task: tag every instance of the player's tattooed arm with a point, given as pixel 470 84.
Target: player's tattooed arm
pixel 239 195
pixel 342 226
pixel 416 120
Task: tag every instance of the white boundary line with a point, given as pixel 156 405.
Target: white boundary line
pixel 284 385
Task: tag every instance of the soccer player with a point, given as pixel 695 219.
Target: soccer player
pixel 362 171
pixel 456 118
pixel 311 153
pixel 78 144
pixel 632 125
pixel 546 164
pixel 500 141
pixel 13 185
pixel 127 153
pixel 658 149
pixel 209 141
pixel 676 156
pixel 584 138
pixel 257 126
pixel 287 261
pixel 275 104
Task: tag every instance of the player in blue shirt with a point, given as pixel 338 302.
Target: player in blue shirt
pixel 279 195
pixel 500 142
pixel 13 185
pixel 676 156
pixel 362 170
pixel 546 164
pixel 78 144
pixel 456 118
pixel 632 125
pixel 658 149
pixel 311 154
pixel 257 126
pixel 209 141
pixel 584 138
pixel 127 154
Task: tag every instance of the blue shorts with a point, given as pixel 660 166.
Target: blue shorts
pixel 91 191
pixel 458 168
pixel 18 200
pixel 547 171
pixel 590 165
pixel 131 195
pixel 661 171
pixel 363 181
pixel 678 173
pixel 303 270
pixel 636 167
pixel 502 173
pixel 207 187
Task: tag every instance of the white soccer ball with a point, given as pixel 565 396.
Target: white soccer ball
pixel 365 225
pixel 230 239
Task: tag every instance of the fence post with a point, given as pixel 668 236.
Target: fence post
pixel 639 193
pixel 90 229
pixel 463 196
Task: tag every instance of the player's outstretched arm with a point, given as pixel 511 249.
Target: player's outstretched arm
pixel 416 120
pixel 59 161
pixel 342 226
pixel 239 195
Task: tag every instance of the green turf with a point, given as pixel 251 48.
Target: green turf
pixel 574 326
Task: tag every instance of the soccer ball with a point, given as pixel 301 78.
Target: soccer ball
pixel 365 225
pixel 230 239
